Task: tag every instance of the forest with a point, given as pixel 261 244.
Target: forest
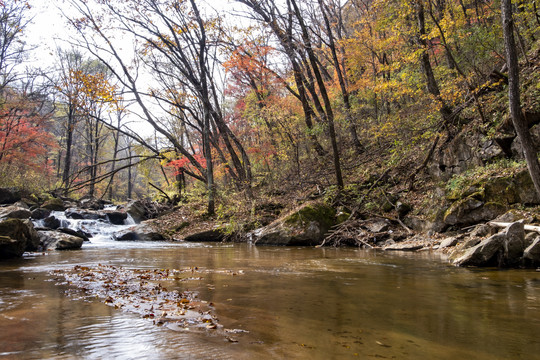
pixel 350 100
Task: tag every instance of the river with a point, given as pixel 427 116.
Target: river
pixel 293 303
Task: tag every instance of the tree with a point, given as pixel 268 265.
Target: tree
pixel 520 123
pixel 13 21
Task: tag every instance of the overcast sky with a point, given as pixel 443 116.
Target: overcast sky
pixel 48 29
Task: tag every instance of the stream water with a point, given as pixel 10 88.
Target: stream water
pixel 293 303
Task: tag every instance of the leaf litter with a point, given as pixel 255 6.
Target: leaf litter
pixel 142 291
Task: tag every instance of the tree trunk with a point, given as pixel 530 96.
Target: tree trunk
pixel 69 144
pixel 520 124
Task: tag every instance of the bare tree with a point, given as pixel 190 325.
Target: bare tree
pixel 520 123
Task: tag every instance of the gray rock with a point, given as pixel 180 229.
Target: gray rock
pixel 15 212
pixel 32 236
pixel 404 247
pixel 305 226
pixel 10 248
pixel 56 240
pixel 40 214
pixel 483 254
pixel 472 211
pixel 481 231
pixel 206 236
pixel 51 222
pixel 504 249
pixel 74 233
pixel 514 244
pixel 448 242
pixel 74 213
pixel 136 210
pixel 531 255
pixel 17 236
pixel 54 204
pixel 116 217
pixel 9 195
pixel 141 232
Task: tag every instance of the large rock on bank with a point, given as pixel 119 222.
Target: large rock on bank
pixel 15 212
pixel 16 237
pixel 305 226
pixel 505 249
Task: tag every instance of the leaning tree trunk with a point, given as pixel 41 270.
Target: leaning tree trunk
pixel 520 123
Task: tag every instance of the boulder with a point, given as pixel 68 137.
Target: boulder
pixel 17 236
pixel 74 233
pixel 482 254
pixel 78 214
pixel 531 255
pixel 206 236
pixel 91 203
pixel 116 217
pixel 51 222
pixel 448 242
pixel 141 232
pixel 10 248
pixel 403 247
pixel 305 226
pixel 9 195
pixel 56 240
pixel 40 214
pixel 472 211
pixel 504 249
pixel 54 204
pixel 32 236
pixel 136 210
pixel 514 244
pixel 15 212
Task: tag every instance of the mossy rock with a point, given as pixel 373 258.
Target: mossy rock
pixel 54 204
pixel 305 226
pixel 472 211
pixel 318 212
pixel 501 189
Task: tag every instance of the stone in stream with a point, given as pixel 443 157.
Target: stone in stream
pixel 51 222
pixel 116 217
pixel 78 214
pixel 17 236
pixel 74 233
pixel 215 235
pixel 54 204
pixel 136 210
pixel 40 214
pixel 15 212
pixel 141 232
pixel 56 240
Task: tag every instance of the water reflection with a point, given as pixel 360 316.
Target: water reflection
pixel 298 303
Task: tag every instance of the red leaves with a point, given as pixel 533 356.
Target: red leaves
pixel 24 137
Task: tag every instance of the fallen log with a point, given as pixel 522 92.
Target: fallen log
pixel 506 224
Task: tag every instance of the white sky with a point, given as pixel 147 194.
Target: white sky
pixel 48 29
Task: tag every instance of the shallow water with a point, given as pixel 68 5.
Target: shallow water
pixel 295 303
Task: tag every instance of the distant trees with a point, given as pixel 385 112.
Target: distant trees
pixel 306 92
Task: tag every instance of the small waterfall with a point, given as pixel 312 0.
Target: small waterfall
pixel 129 220
pixel 98 230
